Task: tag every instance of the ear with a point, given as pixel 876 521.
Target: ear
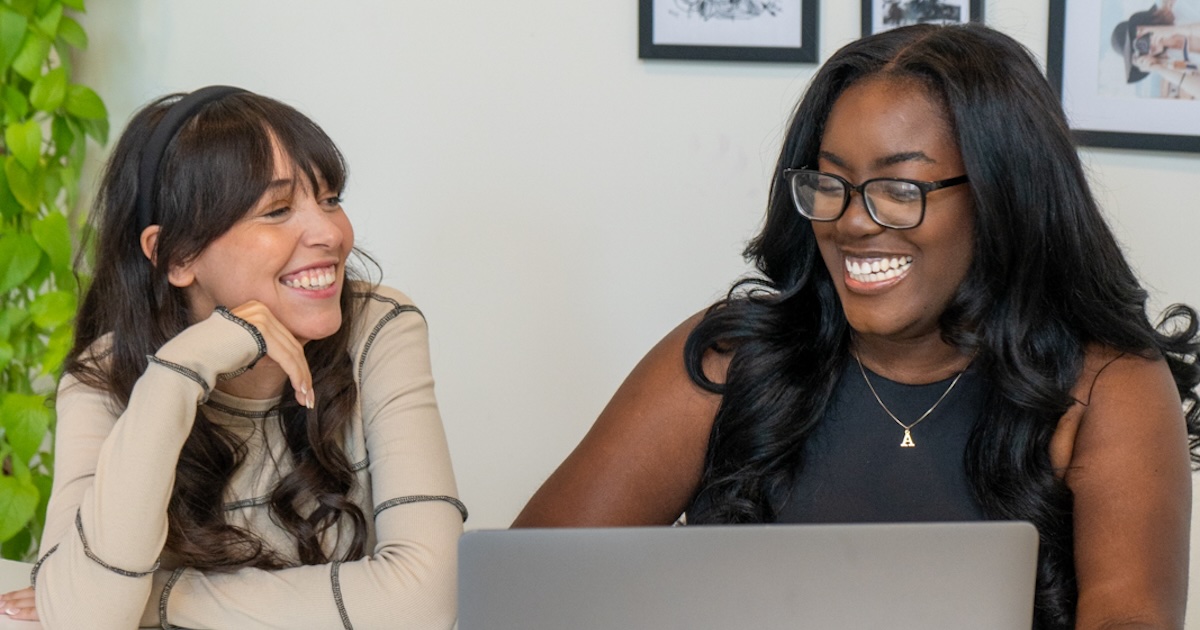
pixel 178 275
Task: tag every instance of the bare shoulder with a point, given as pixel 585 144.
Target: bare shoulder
pixel 1128 468
pixel 1130 408
pixel 642 460
pixel 1110 393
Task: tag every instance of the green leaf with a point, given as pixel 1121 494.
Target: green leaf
pixel 6 354
pixel 75 4
pixel 22 184
pixel 18 546
pixel 24 141
pixel 32 56
pixel 49 91
pixel 24 7
pixel 18 502
pixel 19 258
pixel 52 184
pixel 66 280
pixel 60 132
pixel 53 309
pixel 50 20
pixel 72 33
pixel 39 275
pixel 9 207
pixel 12 29
pixel 12 319
pixel 57 348
pixel 26 419
pixel 96 129
pixel 83 102
pixel 16 105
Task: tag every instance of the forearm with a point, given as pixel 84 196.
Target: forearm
pixel 405 584
pixel 107 519
pixel 113 524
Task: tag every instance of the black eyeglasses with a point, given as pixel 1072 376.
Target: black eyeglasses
pixel 892 202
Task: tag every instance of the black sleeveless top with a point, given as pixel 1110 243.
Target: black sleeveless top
pixel 855 471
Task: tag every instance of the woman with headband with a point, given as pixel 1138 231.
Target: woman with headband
pixel 247 432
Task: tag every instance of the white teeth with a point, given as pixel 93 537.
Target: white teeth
pixel 879 269
pixel 313 280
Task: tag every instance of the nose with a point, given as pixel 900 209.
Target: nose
pixel 322 227
pixel 856 220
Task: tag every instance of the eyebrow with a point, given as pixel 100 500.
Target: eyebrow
pixel 887 160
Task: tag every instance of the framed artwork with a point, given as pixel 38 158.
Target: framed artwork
pixel 882 15
pixel 1128 71
pixel 728 30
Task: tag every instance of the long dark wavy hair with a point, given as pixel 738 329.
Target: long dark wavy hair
pixel 1047 280
pixel 213 172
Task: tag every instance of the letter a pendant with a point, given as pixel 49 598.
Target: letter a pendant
pixel 907 443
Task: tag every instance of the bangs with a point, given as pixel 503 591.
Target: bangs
pixel 223 160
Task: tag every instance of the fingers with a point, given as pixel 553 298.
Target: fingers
pixel 282 348
pixel 19 605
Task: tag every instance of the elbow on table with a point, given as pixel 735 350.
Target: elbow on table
pixel 418 588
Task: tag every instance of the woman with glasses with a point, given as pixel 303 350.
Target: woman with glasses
pixel 943 328
pixel 247 431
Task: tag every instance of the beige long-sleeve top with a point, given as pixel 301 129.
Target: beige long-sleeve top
pixel 114 471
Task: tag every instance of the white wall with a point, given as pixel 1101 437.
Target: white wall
pixel 552 203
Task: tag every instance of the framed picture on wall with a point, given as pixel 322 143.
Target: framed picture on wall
pixel 882 15
pixel 1128 71
pixel 728 30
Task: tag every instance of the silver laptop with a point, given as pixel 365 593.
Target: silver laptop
pixel 926 576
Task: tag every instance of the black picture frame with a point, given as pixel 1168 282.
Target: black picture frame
pixel 651 46
pixel 975 12
pixel 1103 119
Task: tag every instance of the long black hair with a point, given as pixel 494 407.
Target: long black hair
pixel 212 173
pixel 1047 279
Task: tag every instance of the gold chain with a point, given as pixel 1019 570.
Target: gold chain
pixel 907 442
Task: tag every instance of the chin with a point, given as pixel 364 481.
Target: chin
pixel 314 331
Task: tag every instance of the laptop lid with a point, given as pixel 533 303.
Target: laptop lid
pixel 899 576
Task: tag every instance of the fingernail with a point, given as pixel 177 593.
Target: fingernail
pixel 11 611
pixel 312 402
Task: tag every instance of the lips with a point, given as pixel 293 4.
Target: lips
pixel 312 279
pixel 870 270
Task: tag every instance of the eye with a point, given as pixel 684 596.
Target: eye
pixel 900 192
pixel 277 212
pixel 829 186
pixel 331 202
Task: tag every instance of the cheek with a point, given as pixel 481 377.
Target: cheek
pixel 347 234
pixel 829 254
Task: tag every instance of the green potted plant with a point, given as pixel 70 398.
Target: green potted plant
pixel 46 121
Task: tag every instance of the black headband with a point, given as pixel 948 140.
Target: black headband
pixel 178 114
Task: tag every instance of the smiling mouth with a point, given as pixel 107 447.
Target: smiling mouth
pixel 877 269
pixel 311 279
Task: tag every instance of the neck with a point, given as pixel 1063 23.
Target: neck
pixel 264 381
pixel 915 361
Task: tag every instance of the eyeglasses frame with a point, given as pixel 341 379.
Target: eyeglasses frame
pixel 848 189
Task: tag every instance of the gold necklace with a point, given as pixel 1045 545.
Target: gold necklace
pixel 907 442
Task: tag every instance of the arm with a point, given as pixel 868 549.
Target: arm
pixel 641 462
pixel 408 580
pixel 1130 475
pixel 107 518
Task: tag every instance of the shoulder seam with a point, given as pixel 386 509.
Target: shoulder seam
pixel 395 311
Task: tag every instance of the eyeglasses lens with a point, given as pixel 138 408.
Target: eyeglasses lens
pixel 892 203
pixel 895 203
pixel 818 196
